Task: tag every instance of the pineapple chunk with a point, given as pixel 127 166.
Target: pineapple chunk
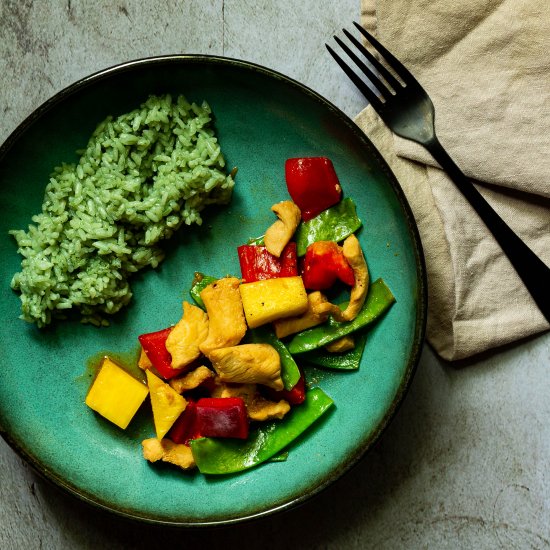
pixel 115 394
pixel 166 402
pixel 271 299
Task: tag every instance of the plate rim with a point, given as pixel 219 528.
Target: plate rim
pixel 421 297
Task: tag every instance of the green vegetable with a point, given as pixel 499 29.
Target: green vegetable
pixel 256 241
pixel 348 360
pixel 289 369
pixel 334 224
pixel 218 456
pixel 200 282
pixel 281 457
pixel 379 299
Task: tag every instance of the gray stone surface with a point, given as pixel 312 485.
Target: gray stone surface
pixel 465 464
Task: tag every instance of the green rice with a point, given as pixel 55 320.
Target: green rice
pixel 141 176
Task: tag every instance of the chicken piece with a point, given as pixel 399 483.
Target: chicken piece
pixel 257 407
pixel 248 364
pixel 168 451
pixel 317 312
pixel 185 338
pixel 144 362
pixel 192 379
pixel 245 391
pixel 261 409
pixel 279 234
pixel 354 256
pixel 341 345
pixel 226 325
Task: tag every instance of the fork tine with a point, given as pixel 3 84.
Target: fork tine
pixel 393 62
pixel 373 99
pixel 388 77
pixel 367 71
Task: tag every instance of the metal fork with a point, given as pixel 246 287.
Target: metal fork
pixel 408 111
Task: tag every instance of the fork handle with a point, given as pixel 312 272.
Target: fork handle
pixel 534 273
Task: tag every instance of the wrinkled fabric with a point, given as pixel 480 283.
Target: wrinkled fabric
pixel 486 66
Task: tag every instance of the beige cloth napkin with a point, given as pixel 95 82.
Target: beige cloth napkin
pixel 486 66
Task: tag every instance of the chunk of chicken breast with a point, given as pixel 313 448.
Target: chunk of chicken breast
pixel 317 312
pixel 192 379
pixel 187 335
pixel 261 409
pixel 257 407
pixel 341 345
pixel 248 364
pixel 144 362
pixel 354 255
pixel 226 322
pixel 168 451
pixel 279 234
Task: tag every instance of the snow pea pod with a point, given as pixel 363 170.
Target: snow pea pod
pixel 333 224
pixel 256 241
pixel 200 282
pixel 379 300
pixel 227 456
pixel 281 457
pixel 289 369
pixel 349 360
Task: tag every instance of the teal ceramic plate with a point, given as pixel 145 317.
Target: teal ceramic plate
pixel 262 118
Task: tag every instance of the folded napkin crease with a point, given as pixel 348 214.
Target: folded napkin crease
pixel 485 64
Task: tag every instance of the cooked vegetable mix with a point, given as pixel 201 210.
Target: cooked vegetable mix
pixel 228 382
pixel 324 263
pixel 333 224
pixel 200 282
pixel 347 360
pixel 217 456
pixel 258 264
pixel 115 394
pixel 313 184
pixel 378 301
pixel 290 372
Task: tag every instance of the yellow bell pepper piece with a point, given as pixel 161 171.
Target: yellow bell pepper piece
pixel 271 299
pixel 166 402
pixel 115 394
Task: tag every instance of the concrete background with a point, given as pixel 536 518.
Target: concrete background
pixel 466 462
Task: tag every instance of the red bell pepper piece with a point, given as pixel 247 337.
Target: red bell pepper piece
pixel 258 264
pixel 185 427
pixel 154 346
pixel 325 262
pixel 313 184
pixel 222 417
pixel 294 396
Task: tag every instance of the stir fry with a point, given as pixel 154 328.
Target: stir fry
pixel 228 382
